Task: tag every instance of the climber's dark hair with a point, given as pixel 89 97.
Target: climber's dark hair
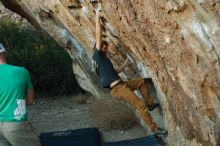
pixel 104 43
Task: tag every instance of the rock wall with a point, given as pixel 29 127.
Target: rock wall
pixel 175 42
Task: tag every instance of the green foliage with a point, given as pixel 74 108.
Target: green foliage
pixel 49 65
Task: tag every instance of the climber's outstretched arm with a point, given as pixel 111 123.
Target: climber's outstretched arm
pixel 98 31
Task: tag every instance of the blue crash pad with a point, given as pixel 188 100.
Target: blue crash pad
pixel 145 141
pixel 80 137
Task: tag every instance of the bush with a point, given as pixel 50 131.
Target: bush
pixel 48 63
pixel 110 114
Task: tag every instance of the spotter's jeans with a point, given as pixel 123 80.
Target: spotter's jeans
pixel 17 134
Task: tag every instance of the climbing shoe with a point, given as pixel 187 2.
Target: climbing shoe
pixel 160 132
pixel 153 106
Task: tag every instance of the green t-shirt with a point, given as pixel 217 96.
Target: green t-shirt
pixel 14 83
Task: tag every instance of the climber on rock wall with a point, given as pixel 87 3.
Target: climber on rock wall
pixel 122 90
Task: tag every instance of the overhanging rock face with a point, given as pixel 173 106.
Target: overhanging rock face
pixel 175 42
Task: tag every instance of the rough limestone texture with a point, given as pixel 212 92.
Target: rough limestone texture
pixel 174 42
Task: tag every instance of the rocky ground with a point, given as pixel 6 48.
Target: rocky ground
pixel 64 113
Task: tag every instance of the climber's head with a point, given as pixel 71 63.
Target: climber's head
pixel 104 47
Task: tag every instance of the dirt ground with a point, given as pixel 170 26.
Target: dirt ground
pixel 63 113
